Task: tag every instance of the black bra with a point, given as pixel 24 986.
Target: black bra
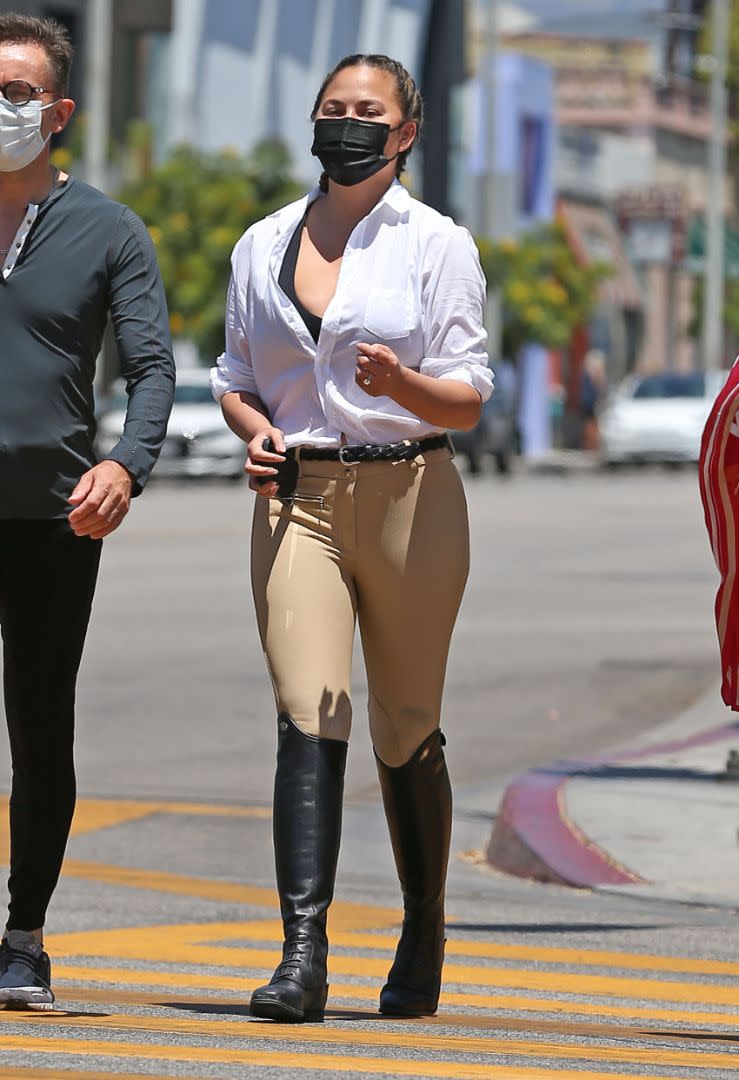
pixel 287 281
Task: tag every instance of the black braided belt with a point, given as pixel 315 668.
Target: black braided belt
pixel 356 455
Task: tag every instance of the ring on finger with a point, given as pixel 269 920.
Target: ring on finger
pixel 367 380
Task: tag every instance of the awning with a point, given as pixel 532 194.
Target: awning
pixel 695 249
pixel 596 238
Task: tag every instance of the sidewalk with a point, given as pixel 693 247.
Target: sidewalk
pixel 562 462
pixel 654 820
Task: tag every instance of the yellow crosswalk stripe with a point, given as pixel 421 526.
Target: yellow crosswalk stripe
pixel 343 915
pixel 337 1035
pixel 296 1061
pixel 183 943
pixel 492 1018
pixel 229 946
pixel 271 930
pixel 73 1074
pixel 357 992
pixel 153 947
pixel 562 1035
pixel 93 814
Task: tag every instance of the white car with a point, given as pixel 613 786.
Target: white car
pixel 658 417
pixel 198 442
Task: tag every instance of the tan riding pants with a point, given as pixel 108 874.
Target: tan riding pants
pixel 386 543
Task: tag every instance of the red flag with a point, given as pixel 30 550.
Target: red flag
pixel 719 483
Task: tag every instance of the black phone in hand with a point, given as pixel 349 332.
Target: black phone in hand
pixel 287 472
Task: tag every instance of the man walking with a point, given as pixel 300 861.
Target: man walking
pixel 69 258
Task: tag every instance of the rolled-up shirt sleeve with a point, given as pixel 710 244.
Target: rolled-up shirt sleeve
pixel 454 302
pixel 233 370
pixel 138 309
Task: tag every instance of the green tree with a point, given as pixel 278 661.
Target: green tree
pixel 705 43
pixel 546 291
pixel 705 48
pixel 694 328
pixel 196 206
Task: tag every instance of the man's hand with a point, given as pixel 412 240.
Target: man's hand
pixel 101 500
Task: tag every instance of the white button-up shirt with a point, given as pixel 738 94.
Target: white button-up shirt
pixel 410 279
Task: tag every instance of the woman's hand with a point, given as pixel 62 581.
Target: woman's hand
pixel 445 403
pixel 258 461
pixel 379 372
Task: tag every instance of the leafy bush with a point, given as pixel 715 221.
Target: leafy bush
pixel 196 207
pixel 694 329
pixel 546 292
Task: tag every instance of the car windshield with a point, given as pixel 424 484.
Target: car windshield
pixel 184 395
pixel 193 395
pixel 671 385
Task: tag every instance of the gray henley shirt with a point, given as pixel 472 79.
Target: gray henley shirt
pixel 85 257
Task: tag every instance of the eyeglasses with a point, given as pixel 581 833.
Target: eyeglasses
pixel 19 92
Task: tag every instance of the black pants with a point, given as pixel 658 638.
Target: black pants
pixel 47 582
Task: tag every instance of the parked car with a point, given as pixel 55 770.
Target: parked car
pixel 658 417
pixel 494 435
pixel 198 442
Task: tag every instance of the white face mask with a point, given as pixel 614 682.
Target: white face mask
pixel 21 141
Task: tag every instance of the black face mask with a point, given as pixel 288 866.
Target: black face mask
pixel 351 150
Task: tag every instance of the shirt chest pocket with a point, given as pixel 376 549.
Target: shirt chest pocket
pixel 389 314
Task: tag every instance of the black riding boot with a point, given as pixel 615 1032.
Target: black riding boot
pixel 309 788
pixel 418 806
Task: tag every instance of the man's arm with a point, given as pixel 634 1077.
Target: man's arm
pixel 138 310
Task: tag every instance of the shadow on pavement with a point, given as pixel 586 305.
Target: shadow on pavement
pixel 243 1010
pixel 554 928
pixel 642 772
pixel 696 1036
pixel 217 1008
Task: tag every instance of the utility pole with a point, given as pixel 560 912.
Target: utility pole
pixel 98 58
pixel 713 298
pixel 490 211
pixel 490 72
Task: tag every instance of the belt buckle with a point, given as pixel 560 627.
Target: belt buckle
pixel 341 455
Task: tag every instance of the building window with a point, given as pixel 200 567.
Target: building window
pixel 533 163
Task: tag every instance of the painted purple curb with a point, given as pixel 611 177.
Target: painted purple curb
pixel 534 838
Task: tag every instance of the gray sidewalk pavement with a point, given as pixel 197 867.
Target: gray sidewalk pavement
pixel 657 820
pixel 562 462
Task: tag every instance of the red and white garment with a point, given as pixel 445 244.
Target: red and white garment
pixel 719 483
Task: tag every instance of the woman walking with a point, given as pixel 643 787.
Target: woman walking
pixel 354 339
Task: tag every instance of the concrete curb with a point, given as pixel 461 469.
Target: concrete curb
pixel 534 838
pixel 563 463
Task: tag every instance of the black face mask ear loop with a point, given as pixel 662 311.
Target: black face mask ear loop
pixel 396 155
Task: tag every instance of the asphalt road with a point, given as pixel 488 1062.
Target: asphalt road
pixel 588 621
pixel 588 617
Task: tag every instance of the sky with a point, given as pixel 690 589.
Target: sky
pixel 611 18
pixel 565 8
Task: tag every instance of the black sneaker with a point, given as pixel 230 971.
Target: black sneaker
pixel 25 973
